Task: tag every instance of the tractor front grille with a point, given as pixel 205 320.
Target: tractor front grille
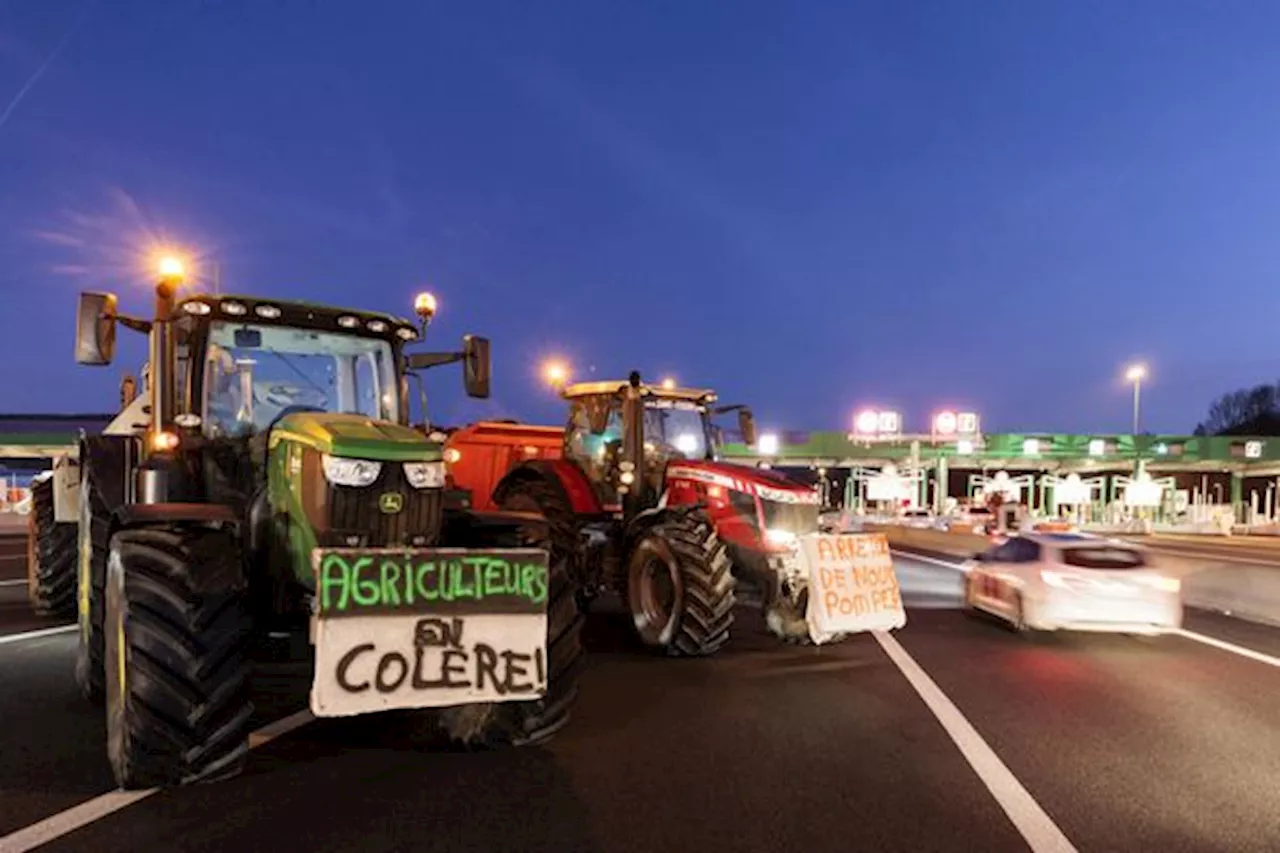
pixel 356 516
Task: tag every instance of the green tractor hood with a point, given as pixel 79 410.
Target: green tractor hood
pixel 356 437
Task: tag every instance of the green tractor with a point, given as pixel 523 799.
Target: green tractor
pixel 274 483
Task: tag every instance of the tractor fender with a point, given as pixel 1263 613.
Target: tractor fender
pixel 646 519
pixel 146 515
pixel 567 476
pixel 203 576
pixel 66 487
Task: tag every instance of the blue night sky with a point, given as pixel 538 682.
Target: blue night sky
pixel 810 206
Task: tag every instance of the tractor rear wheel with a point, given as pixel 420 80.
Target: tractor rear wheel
pixel 178 633
pixel 94 532
pixel 52 572
pixel 492 725
pixel 680 586
pixel 529 494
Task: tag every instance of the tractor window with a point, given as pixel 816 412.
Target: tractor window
pixel 594 453
pixel 253 373
pixel 674 429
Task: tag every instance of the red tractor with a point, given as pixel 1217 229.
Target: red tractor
pixel 640 503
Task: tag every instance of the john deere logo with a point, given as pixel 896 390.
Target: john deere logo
pixel 391 502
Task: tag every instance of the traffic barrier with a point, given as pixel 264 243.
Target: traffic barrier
pixel 961 544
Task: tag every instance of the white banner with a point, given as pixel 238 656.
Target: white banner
pixel 852 585
pixel 385 661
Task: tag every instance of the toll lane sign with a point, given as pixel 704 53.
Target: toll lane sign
pixel 852 585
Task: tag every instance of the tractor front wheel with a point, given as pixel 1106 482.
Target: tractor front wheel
pixel 52 555
pixel 489 725
pixel 177 637
pixel 680 586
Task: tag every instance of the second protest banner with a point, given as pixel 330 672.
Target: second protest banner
pixel 852 585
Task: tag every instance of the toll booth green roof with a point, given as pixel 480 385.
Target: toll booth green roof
pixel 1026 449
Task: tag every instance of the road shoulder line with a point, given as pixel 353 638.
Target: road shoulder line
pixel 1032 822
pixel 35 635
pixel 69 820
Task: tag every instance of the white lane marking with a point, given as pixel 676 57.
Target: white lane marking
pixel 1036 827
pixel 1230 647
pixel 64 822
pixel 18 582
pixel 908 555
pixel 35 635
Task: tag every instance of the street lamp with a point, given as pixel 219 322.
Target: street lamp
pixel 668 384
pixel 555 373
pixel 1135 374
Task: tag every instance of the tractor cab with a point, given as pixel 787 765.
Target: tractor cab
pixel 665 423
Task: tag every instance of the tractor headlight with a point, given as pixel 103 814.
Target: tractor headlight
pixel 425 475
pixel 350 472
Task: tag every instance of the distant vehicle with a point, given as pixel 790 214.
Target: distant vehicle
pixel 970 519
pixel 1075 582
pixel 917 518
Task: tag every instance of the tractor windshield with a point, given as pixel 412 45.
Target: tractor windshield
pixel 254 373
pixel 675 429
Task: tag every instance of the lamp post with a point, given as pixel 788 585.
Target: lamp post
pixel 1136 374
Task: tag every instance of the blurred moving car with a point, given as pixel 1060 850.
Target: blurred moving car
pixel 1073 581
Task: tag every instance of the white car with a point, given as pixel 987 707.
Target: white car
pixel 1073 581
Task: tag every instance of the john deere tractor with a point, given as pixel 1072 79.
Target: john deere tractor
pixel 274 483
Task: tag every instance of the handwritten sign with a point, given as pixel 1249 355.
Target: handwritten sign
pixel 852 584
pixel 425 628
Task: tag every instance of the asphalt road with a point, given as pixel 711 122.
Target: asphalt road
pixel 1116 743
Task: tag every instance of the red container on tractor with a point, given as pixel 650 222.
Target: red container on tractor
pixel 641 503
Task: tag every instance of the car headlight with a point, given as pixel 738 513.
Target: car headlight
pixel 425 475
pixel 350 472
pixel 780 537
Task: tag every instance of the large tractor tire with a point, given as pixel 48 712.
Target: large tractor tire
pixel 93 540
pixel 680 586
pixel 178 633
pixel 538 495
pixel 492 725
pixel 52 573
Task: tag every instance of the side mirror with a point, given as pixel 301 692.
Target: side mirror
pixel 747 426
pixel 476 366
pixel 96 328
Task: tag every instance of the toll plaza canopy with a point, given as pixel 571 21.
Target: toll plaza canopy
pixel 1252 456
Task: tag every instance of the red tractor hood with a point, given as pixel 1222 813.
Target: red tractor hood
pixel 769 485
